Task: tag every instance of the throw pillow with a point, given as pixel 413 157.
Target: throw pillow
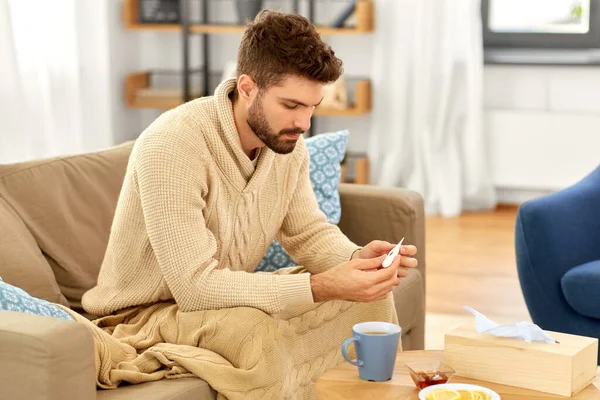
pixel 326 151
pixel 580 286
pixel 14 299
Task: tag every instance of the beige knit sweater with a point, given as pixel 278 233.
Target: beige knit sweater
pixel 195 218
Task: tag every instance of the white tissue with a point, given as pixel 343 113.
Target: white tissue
pixel 521 330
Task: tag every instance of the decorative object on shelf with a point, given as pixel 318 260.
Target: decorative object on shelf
pixel 159 12
pixel 296 6
pixel 335 95
pixel 343 17
pixel 247 10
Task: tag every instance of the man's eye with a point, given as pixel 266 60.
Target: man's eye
pixel 290 107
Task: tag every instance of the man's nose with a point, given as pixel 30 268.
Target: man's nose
pixel 303 122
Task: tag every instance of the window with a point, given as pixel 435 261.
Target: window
pixel 539 24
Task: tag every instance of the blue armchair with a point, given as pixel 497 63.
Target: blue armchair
pixel 557 240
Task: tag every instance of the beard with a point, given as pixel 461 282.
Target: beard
pixel 257 121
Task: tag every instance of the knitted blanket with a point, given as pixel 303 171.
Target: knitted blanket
pixel 243 353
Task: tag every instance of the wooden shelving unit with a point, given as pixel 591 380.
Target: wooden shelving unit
pixel 364 22
pixel 360 165
pixel 360 106
pixel 139 94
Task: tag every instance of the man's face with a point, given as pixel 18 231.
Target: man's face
pixel 280 114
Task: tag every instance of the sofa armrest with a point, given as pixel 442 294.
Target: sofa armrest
pixel 374 212
pixel 45 358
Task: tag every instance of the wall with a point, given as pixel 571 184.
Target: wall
pixel 124 58
pixel 108 53
pixel 544 127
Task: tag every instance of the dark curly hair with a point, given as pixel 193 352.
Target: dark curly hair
pixel 277 44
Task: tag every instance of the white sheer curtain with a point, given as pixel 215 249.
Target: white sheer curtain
pixel 427 121
pixel 44 84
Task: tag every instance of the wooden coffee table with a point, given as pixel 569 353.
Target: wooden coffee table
pixel 343 383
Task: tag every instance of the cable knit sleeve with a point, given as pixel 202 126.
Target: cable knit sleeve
pixel 305 233
pixel 170 181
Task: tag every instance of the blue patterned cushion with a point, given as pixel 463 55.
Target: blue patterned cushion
pixel 326 153
pixel 14 299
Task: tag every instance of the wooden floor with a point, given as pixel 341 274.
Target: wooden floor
pixel 471 261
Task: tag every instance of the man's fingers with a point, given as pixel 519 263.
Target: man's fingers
pixel 386 273
pixel 402 272
pixel 386 286
pixel 408 262
pixel 384 280
pixel 408 250
pixel 369 263
pixel 381 246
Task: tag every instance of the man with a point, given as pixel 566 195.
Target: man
pixel 208 186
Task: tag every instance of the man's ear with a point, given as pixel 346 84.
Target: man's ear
pixel 246 86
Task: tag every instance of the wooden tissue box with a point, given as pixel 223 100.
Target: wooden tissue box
pixel 563 368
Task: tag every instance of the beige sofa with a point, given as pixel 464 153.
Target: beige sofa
pixel 55 217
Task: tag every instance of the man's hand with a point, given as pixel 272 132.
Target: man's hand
pixel 357 280
pixel 379 247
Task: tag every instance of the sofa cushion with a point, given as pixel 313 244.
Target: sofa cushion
pixel 15 299
pixel 581 288
pixel 21 261
pixel 67 204
pixel 326 151
pixel 172 389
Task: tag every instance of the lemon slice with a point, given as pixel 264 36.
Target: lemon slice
pixel 445 394
pixel 483 395
pixel 467 395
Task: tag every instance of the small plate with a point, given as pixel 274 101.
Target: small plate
pixel 457 386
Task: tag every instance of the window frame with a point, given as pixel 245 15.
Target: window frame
pixel 514 40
